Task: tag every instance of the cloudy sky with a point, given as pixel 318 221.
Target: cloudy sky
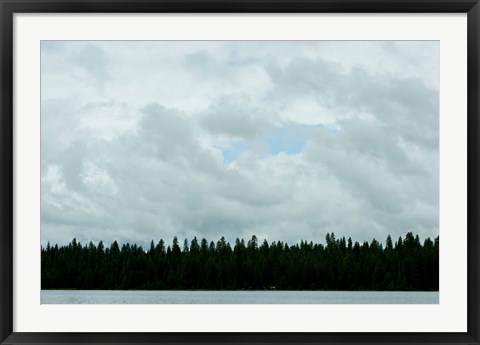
pixel 285 140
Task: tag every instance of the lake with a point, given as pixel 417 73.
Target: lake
pixel 237 297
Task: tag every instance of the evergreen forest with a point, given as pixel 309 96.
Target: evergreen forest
pixel 404 265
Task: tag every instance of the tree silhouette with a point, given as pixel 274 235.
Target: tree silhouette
pixel 338 265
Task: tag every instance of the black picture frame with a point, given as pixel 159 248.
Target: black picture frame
pixel 9 7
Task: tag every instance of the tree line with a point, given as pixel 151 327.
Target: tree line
pixel 338 264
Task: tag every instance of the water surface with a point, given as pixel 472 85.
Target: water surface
pixel 237 297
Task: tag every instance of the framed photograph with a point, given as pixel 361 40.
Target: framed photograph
pixel 239 172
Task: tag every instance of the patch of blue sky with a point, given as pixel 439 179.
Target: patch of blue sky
pixel 282 140
pixel 332 127
pixel 289 140
pixel 232 152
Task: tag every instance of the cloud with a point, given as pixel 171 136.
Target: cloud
pixel 92 64
pixel 236 116
pixel 285 140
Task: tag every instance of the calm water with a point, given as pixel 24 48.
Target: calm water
pixel 236 297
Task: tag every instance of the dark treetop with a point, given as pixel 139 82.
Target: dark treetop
pixel 340 264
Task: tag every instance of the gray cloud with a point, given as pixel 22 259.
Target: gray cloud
pixel 237 117
pixel 93 63
pixel 285 140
